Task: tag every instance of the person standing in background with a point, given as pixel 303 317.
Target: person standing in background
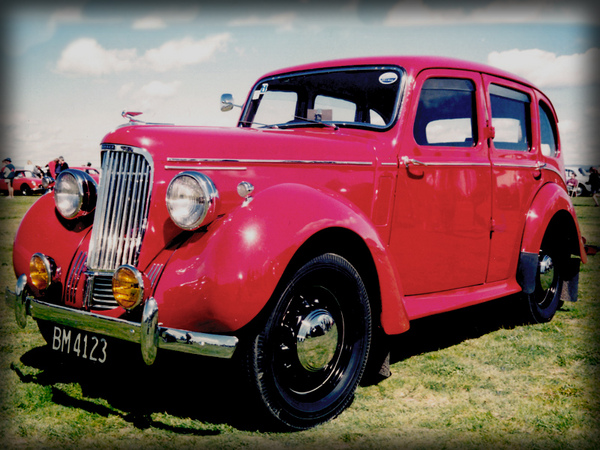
pixel 8 173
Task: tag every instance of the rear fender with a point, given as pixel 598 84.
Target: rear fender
pixel 550 199
pixel 220 280
pixel 552 210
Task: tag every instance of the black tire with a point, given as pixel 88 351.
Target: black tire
pixel 545 300
pixel 25 190
pixel 306 363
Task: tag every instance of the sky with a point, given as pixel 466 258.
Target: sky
pixel 70 68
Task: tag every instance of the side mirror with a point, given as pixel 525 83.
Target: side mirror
pixel 227 102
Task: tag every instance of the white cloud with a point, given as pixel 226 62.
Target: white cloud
pixel 417 12
pixel 283 21
pixel 149 23
pixel 150 97
pixel 546 69
pixel 185 52
pixel 86 56
pixel 158 89
pixel 164 16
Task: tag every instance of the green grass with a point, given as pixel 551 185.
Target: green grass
pixel 471 379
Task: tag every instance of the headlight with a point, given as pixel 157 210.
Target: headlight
pixel 192 200
pixel 128 286
pixel 42 271
pixel 75 193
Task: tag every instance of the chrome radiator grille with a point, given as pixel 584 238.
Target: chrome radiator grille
pixel 122 209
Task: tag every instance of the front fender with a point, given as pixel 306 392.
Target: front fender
pixel 220 280
pixel 43 230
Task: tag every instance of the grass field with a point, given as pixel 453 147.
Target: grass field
pixel 476 378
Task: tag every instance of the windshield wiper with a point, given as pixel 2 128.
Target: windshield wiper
pixel 317 122
pixel 246 122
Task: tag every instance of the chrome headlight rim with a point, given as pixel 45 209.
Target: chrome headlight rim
pixel 206 190
pixel 87 193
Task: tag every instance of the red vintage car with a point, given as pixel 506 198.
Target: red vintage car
pixel 92 171
pixel 25 183
pixel 353 197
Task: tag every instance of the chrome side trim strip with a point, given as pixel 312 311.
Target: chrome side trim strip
pixel 528 166
pixel 204 168
pixel 270 161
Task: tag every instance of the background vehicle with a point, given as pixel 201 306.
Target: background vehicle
pixel 25 183
pixel 92 171
pixel 353 197
pixel 582 173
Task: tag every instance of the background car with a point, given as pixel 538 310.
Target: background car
pixel 25 183
pixel 582 173
pixel 93 172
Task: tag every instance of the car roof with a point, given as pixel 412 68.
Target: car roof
pixel 412 64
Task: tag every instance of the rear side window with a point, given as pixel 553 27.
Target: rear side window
pixel 510 118
pixel 548 136
pixel 446 113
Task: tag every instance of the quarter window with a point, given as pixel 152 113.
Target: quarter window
pixel 547 131
pixel 446 113
pixel 510 118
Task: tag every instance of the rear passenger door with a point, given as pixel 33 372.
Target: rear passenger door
pixel 516 170
pixel 441 225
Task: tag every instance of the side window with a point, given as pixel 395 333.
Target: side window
pixel 547 131
pixel 446 113
pixel 510 118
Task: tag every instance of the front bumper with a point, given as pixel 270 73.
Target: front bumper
pixel 148 333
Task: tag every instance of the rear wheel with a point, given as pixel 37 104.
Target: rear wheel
pixel 308 360
pixel 545 300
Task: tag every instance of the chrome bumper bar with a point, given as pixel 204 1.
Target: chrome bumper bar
pixel 147 333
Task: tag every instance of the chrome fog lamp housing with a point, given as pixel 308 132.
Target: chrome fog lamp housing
pixel 192 200
pixel 42 271
pixel 75 193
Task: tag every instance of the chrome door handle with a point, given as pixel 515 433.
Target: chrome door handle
pixel 406 161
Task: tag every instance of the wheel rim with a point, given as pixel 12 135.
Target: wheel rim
pixel 547 280
pixel 311 374
pixel 316 340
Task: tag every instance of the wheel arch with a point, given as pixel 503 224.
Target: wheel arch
pixel 350 246
pixel 551 219
pixel 552 211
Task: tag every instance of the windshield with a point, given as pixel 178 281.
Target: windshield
pixel 359 97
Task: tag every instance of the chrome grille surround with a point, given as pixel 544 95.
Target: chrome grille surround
pixel 120 220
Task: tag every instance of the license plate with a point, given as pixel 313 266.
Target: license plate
pixel 80 344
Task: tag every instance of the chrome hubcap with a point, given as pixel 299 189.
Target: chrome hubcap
pixel 317 340
pixel 546 272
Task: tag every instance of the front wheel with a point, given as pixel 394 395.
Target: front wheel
pixel 306 363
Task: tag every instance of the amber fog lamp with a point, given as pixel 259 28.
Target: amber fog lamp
pixel 42 270
pixel 128 286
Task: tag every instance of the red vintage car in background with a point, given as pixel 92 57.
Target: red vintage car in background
pixel 93 172
pixel 353 197
pixel 25 182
